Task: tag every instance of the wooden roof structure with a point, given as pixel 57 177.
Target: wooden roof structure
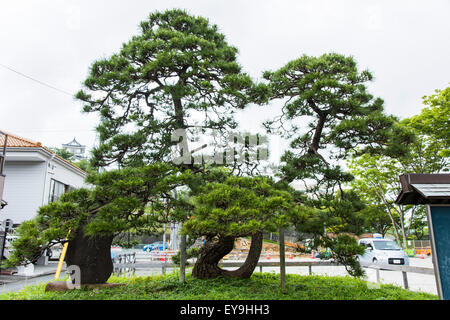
pixel 421 188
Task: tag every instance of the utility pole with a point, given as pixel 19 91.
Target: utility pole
pixel 2 165
pixel 164 237
pixel 183 258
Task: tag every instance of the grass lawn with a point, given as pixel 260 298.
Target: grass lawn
pixel 261 286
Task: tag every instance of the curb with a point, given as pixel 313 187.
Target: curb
pixel 37 275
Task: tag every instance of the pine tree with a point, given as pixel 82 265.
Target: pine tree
pixel 232 207
pixel 177 73
pixel 120 200
pixel 329 94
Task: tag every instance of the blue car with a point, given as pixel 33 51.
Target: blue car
pixel 158 245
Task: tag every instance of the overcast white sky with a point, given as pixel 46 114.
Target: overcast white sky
pixel 404 43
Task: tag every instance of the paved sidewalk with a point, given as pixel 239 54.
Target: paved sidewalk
pixel 41 274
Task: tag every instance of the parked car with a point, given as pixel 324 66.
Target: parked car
pixel 383 252
pixel 158 245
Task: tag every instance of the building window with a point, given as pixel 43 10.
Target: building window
pixel 57 189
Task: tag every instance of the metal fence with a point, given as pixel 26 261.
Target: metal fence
pixel 128 262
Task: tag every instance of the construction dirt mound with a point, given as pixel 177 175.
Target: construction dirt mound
pixel 244 243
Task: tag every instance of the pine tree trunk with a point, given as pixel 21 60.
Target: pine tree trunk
pixel 92 255
pixel 250 263
pixel 206 266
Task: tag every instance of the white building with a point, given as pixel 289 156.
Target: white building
pixel 77 149
pixel 34 176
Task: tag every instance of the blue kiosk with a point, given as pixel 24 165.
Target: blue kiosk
pixel 433 190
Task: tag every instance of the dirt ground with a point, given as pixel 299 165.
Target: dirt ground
pixel 242 243
pixel 269 250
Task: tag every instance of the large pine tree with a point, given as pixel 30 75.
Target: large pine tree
pixel 328 114
pixel 177 73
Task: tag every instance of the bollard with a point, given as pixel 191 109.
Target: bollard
pixel 405 280
pixel 61 258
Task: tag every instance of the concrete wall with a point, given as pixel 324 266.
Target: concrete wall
pixel 27 183
pixel 24 185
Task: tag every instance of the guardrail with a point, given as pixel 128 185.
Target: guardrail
pixel 125 262
pixel 165 255
pixel 261 264
pixel 230 264
pixel 125 258
pixel 403 269
pixel 237 254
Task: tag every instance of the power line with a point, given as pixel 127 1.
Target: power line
pixel 56 130
pixel 38 81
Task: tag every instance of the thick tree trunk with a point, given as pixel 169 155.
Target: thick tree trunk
pixel 206 266
pixel 92 255
pixel 250 263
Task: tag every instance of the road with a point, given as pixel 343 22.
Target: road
pixel 19 285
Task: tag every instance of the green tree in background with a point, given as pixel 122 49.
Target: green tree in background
pixel 85 165
pixel 377 183
pixel 63 153
pixel 434 121
pixel 431 151
pixel 376 220
pixel 377 175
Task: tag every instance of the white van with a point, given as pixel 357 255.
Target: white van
pixel 383 252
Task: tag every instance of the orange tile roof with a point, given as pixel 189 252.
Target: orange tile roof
pixel 16 141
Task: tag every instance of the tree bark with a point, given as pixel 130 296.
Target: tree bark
pixel 92 255
pixel 206 266
pixel 250 263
